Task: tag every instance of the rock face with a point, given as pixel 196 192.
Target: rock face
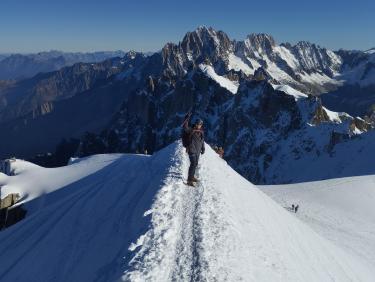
pixel 37 95
pixel 9 201
pixel 248 93
pixel 262 74
pixel 10 215
pixel 6 166
pixel 261 129
pixel 313 58
pixel 65 103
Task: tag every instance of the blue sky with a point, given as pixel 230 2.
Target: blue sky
pixel 146 25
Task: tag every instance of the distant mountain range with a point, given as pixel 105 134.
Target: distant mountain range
pixel 21 66
pixel 3 56
pixel 260 100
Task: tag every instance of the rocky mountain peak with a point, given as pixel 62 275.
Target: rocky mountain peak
pixel 206 34
pixel 206 41
pixel 260 41
pixel 131 54
pixel 305 44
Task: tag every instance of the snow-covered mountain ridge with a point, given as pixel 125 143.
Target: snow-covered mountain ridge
pixel 133 219
pixel 305 66
pixel 254 98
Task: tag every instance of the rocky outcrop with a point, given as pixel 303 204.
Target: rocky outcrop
pixel 336 138
pixel 6 166
pixel 319 115
pixel 259 127
pixel 360 124
pixel 9 201
pixel 10 214
pixel 261 74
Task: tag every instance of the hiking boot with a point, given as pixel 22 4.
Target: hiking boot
pixel 190 183
pixel 194 179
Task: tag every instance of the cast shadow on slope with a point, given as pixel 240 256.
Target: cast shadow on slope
pixel 349 158
pixel 90 223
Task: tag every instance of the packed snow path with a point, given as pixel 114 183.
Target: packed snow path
pixel 188 235
pixel 135 220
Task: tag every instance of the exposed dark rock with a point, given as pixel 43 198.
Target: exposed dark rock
pixel 14 215
pixel 261 74
pixel 10 214
pixel 9 201
pixel 320 115
pixel 361 124
pixel 336 138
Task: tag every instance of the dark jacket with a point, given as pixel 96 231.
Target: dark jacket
pixel 197 140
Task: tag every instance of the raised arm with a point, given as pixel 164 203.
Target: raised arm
pixel 185 124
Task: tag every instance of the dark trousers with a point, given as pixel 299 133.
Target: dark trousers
pixel 193 165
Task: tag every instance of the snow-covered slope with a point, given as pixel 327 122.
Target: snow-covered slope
pixel 223 81
pixel 135 220
pixel 290 91
pixel 352 157
pixel 35 182
pixel 341 210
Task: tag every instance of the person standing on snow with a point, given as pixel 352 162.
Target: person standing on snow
pixel 296 208
pixel 193 140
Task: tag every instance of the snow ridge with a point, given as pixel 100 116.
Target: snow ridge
pixel 191 227
pixel 212 233
pixel 136 220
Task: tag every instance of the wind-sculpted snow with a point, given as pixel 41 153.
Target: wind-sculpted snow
pixel 136 220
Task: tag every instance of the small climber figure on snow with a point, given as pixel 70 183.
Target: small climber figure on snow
pixel 295 208
pixel 193 141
